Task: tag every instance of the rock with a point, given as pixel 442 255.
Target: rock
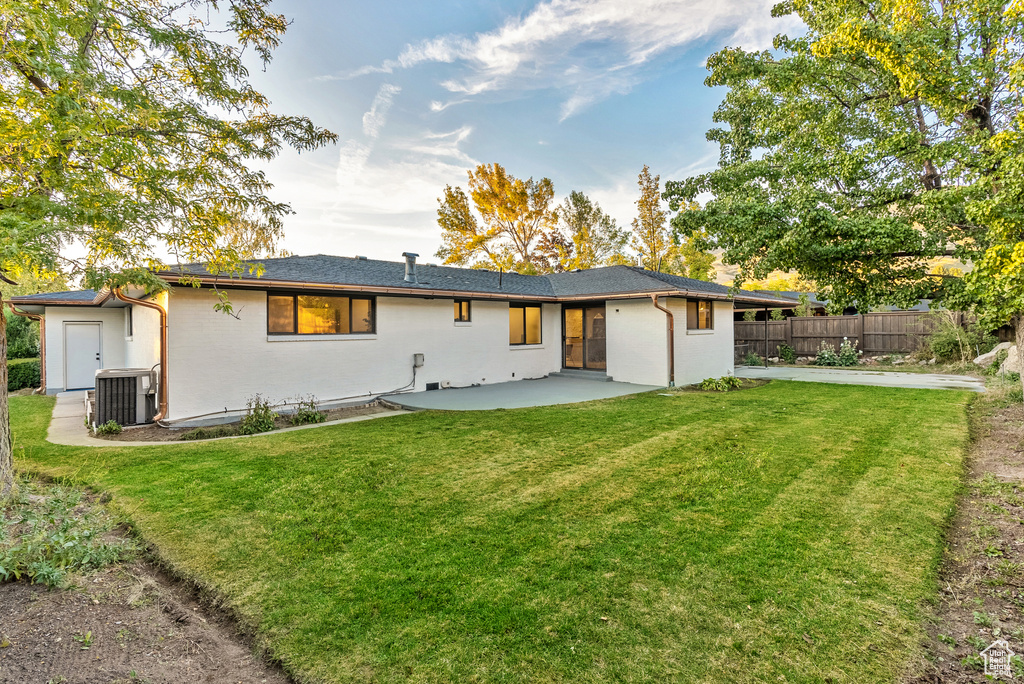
pixel 897 362
pixel 987 359
pixel 1012 362
pixel 773 359
pixel 931 361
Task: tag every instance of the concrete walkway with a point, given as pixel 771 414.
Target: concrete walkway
pixel 863 377
pixel 67 426
pixel 519 394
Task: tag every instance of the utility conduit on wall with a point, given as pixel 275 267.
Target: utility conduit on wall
pixel 162 390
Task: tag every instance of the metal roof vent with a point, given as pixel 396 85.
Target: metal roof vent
pixel 360 258
pixel 410 267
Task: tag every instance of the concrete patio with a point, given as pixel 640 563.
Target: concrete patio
pixel 520 394
pixel 864 377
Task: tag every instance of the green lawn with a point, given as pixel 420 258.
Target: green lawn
pixel 786 533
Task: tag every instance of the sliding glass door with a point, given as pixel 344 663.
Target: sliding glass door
pixel 583 334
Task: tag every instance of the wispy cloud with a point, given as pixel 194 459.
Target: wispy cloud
pixel 591 49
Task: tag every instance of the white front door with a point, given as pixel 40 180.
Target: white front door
pixel 81 355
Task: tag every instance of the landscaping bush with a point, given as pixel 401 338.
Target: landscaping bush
pixel 787 353
pixel 950 342
pixel 211 432
pixel 259 416
pixel 848 354
pixel 111 427
pixel 722 384
pixel 22 338
pixel 307 412
pixel 753 359
pixel 826 355
pixel 22 374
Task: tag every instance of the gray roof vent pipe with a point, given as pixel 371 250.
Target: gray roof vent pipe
pixel 410 267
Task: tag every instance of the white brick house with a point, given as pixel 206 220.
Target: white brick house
pixel 344 329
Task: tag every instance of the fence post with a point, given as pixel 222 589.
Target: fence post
pixel 860 331
pixel 789 332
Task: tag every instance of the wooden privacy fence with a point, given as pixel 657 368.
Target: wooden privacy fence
pixel 893 332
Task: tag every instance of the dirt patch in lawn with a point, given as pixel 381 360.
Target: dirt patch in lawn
pixel 981 583
pixel 156 433
pixel 125 623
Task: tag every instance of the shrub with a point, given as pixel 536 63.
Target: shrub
pixel 22 338
pixel 22 374
pixel 722 384
pixel 787 353
pixel 750 315
pixel 211 432
pixel 826 355
pixel 306 412
pixel 753 359
pixel 848 354
pixel 259 416
pixel 111 427
pixel 950 342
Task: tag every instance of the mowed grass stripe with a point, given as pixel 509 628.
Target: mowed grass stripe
pixel 712 531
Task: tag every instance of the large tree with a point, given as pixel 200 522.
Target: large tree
pixel 884 137
pixel 514 214
pixel 127 130
pixel 650 239
pixel 594 237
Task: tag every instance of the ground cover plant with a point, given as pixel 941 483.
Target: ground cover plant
pixel 792 531
pixel 47 533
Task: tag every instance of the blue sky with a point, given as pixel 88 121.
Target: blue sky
pixel 584 92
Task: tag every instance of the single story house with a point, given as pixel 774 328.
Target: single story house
pixel 342 328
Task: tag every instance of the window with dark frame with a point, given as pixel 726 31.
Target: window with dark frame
pixel 524 325
pixel 128 323
pixel 462 314
pixel 699 315
pixel 312 314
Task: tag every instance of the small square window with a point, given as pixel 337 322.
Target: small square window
pixel 699 315
pixel 462 311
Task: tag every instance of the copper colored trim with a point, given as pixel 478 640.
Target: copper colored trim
pixel 162 412
pixel 671 322
pixel 42 340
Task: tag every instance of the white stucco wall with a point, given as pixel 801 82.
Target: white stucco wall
pixel 218 361
pixel 112 343
pixel 703 354
pixel 637 343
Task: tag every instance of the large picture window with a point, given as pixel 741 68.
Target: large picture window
pixel 319 315
pixel 699 315
pixel 524 324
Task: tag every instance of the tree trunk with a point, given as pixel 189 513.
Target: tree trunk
pixel 1018 333
pixel 6 456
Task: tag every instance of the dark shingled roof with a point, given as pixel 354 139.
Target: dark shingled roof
pixel 336 270
pixel 75 296
pixel 322 269
pixel 611 280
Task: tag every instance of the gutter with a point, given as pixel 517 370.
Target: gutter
pixel 42 341
pixel 162 391
pixel 670 320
